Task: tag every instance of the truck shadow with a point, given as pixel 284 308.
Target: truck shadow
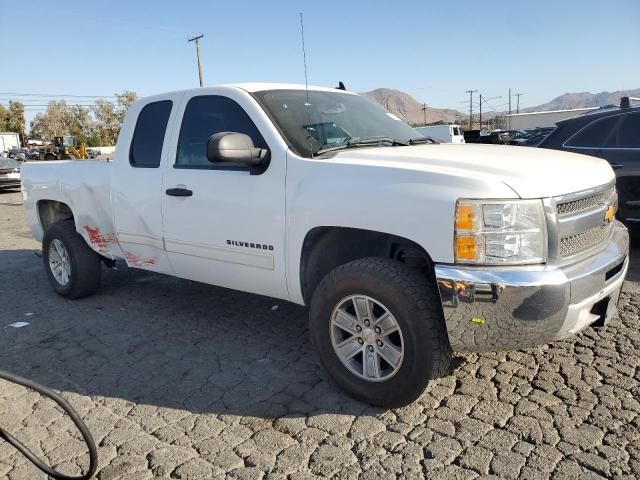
pixel 157 340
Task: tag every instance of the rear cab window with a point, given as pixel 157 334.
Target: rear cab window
pixel 148 136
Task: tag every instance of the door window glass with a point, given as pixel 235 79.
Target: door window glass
pixel 596 134
pixel 205 116
pixel 628 133
pixel 148 136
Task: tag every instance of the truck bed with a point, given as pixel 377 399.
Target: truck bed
pixel 84 183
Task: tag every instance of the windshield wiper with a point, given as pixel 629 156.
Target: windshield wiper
pixel 362 142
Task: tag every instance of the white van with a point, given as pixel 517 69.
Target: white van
pixel 443 133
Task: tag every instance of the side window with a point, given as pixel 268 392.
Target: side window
pixel 148 136
pixel 595 135
pixel 628 133
pixel 205 116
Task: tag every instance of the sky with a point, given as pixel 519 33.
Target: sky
pixel 433 50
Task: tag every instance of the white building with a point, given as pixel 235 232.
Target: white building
pixel 522 121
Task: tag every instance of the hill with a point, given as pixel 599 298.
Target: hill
pixel 583 99
pixel 409 109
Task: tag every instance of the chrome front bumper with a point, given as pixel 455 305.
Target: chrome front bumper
pixel 508 308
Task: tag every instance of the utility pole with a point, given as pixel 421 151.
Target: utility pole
pixel 518 95
pixel 470 92
pixel 509 126
pixel 197 40
pixel 484 99
pixel 424 111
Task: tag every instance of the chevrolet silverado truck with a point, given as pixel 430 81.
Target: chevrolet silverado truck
pixel 403 249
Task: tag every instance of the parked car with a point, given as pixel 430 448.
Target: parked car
pixel 612 133
pixel 404 250
pixel 532 138
pixel 17 153
pixel 472 136
pixel 93 152
pixel 9 173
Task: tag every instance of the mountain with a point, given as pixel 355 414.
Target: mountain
pixel 409 109
pixel 583 99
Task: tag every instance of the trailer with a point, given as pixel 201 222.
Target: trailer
pixel 9 140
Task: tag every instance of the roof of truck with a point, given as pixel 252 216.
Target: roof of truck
pixel 257 87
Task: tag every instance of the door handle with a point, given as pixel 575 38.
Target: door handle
pixel 178 192
pixel 616 166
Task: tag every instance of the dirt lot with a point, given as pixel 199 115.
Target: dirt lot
pixel 181 380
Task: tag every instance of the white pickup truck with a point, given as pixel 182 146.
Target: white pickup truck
pixel 404 250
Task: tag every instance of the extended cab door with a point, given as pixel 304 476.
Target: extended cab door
pixel 230 229
pixel 136 183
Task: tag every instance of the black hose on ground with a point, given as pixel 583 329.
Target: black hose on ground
pixel 68 409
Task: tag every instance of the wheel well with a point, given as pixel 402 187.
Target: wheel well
pixel 325 248
pixel 50 211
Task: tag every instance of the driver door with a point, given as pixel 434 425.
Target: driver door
pixel 227 226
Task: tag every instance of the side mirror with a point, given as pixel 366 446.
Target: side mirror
pixel 235 148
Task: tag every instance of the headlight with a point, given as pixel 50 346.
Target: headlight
pixel 500 232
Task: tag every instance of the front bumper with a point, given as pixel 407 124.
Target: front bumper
pixel 508 308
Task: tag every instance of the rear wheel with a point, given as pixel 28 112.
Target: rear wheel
pixel 379 330
pixel 72 267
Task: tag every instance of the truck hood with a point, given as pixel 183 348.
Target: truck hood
pixel 530 172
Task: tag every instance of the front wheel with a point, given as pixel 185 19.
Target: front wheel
pixel 379 330
pixel 72 267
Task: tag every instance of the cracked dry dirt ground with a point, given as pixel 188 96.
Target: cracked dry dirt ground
pixel 182 380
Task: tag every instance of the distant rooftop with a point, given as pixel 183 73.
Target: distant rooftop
pixel 575 110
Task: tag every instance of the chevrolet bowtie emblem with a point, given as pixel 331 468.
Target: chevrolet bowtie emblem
pixel 610 214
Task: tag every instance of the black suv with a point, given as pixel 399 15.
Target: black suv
pixel 613 134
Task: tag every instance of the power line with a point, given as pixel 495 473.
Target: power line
pixel 57 95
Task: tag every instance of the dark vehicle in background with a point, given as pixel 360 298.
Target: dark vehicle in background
pixel 17 153
pixel 532 137
pixel 472 136
pixel 611 133
pixel 9 173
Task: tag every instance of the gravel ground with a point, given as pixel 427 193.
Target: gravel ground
pixel 182 380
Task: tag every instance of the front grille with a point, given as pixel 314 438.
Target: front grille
pixel 582 204
pixel 583 241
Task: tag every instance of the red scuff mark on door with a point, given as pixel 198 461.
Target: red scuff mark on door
pixel 134 260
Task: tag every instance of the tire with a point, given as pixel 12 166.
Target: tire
pixel 414 304
pixel 83 277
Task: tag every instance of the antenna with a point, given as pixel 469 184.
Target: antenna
pixel 304 57
pixel 306 80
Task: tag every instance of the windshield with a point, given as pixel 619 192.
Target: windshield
pixel 6 163
pixel 329 119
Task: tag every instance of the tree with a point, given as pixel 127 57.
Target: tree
pixel 124 101
pixel 79 123
pixel 107 122
pixel 52 123
pixel 95 126
pixel 12 118
pixel 3 118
